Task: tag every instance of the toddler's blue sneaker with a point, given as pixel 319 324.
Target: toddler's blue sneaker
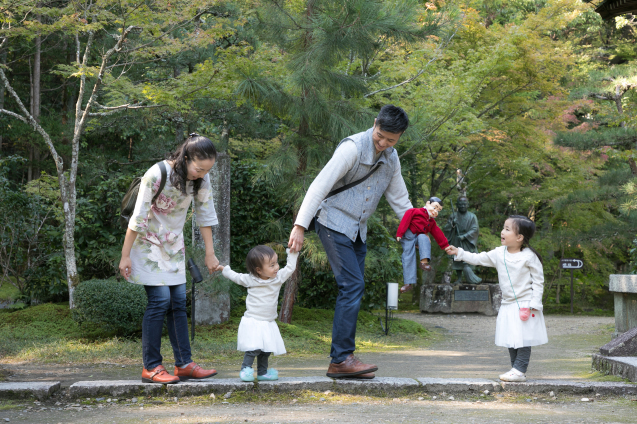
pixel 271 375
pixel 247 374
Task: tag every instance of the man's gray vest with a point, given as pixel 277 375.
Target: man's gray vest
pixel 347 212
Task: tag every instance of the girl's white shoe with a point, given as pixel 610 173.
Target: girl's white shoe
pixel 513 375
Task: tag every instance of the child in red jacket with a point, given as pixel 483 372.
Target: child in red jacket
pixel 413 228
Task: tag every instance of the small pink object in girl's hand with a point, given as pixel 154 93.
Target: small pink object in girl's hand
pixel 525 313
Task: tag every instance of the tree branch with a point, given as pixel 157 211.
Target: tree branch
pixel 114 110
pixel 510 93
pixel 15 115
pixel 440 47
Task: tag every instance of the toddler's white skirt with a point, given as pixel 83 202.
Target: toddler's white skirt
pixel 263 335
pixel 511 331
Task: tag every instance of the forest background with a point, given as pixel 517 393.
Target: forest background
pixel 533 101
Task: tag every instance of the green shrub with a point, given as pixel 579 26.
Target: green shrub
pixel 115 306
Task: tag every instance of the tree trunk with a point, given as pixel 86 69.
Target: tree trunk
pixel 289 295
pixel 34 154
pixel 3 60
pixel 633 166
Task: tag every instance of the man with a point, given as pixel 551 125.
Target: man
pixel 462 231
pixel 341 222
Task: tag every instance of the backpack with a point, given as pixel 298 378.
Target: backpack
pixel 130 198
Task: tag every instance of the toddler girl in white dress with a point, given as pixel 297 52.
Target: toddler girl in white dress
pixel 520 322
pixel 259 335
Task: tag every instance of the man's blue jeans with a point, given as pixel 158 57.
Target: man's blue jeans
pixel 347 259
pixel 408 241
pixel 169 302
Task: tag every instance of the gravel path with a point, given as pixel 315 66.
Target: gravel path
pixel 467 349
pixel 343 409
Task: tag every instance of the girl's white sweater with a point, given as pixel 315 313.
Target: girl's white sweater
pixel 263 295
pixel 524 268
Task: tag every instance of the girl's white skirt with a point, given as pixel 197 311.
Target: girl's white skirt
pixel 263 335
pixel 511 331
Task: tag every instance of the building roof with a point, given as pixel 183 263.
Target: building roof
pixel 609 9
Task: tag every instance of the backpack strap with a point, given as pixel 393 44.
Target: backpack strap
pixel 355 183
pixel 162 182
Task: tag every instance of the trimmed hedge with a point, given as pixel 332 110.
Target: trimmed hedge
pixel 115 306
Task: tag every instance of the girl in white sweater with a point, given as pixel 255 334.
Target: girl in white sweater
pixel 259 335
pixel 520 322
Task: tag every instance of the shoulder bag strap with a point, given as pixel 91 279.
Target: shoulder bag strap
pixel 355 183
pixel 162 182
pixel 504 258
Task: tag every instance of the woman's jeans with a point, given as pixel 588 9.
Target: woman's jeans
pixel 347 259
pixel 408 241
pixel 169 302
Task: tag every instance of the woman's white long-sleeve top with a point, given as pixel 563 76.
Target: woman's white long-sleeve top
pixel 524 269
pixel 263 295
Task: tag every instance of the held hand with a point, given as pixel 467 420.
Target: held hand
pixel 220 268
pixel 211 263
pixel 296 239
pixel 125 267
pixel 451 250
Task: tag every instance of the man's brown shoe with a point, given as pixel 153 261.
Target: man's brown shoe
pixel 406 288
pixel 158 375
pixel 193 371
pixel 424 266
pixel 366 376
pixel 350 367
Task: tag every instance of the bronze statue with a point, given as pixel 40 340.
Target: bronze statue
pixel 462 231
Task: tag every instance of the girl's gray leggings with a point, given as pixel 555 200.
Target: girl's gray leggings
pixel 262 361
pixel 520 358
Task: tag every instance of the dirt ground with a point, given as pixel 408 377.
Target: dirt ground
pixel 323 408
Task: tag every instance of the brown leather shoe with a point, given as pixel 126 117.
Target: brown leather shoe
pixel 350 367
pixel 193 371
pixel 406 288
pixel 158 375
pixel 366 376
pixel 424 266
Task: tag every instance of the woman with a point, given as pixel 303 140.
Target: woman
pixel 154 253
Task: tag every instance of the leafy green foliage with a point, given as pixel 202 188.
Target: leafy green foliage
pixel 28 256
pixel 258 213
pixel 114 305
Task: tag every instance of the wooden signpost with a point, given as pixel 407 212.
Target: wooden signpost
pixel 571 264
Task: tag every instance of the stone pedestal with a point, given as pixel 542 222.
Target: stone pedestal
pixel 212 299
pixel 461 298
pixel 625 289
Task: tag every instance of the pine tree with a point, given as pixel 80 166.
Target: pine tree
pixel 319 96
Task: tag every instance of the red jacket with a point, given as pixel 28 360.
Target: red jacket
pixel 418 221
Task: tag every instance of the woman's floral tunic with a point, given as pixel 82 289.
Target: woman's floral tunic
pixel 158 255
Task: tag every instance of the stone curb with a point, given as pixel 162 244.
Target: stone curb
pixel 378 385
pixel 622 366
pixel 27 389
pixel 115 388
pixel 459 385
pixel 207 386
